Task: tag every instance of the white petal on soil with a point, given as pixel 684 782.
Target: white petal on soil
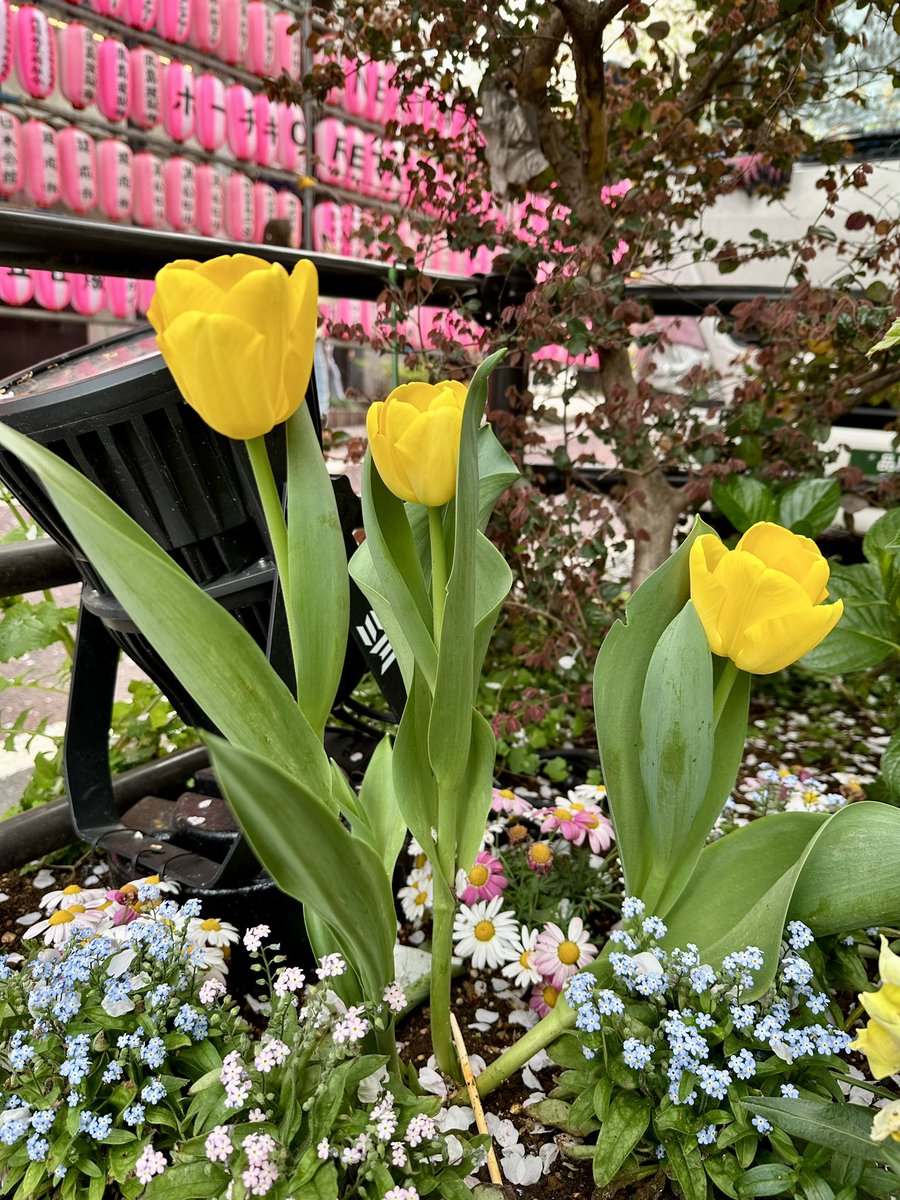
pixel 479 1026
pixel 530 1080
pixel 526 1017
pixel 539 1061
pixel 456 1116
pixel 522 1171
pixel 29 918
pixel 480 987
pixel 370 1088
pixel 477 1063
pixel 432 1081
pixel 44 879
pixel 502 1131
pixel 3 896
pixel 549 1154
pixel 534 1098
pixel 487 1015
pixel 416 937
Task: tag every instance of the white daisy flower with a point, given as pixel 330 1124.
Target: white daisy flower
pixel 211 932
pixel 416 899
pixel 485 934
pixel 209 960
pixel 164 885
pixel 522 970
pixel 73 894
pixel 60 926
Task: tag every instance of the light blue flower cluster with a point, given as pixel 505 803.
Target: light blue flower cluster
pixel 706 1038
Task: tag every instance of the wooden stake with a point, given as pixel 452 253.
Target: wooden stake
pixel 475 1100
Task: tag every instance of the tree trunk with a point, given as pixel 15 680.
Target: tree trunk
pixel 648 504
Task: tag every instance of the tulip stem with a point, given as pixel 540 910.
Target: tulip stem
pixel 723 689
pixel 438 571
pixel 277 527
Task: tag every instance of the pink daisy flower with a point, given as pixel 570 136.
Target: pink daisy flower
pixel 558 956
pixel 485 881
pixel 506 801
pixel 543 999
pixel 577 821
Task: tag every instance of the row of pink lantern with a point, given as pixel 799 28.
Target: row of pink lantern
pixel 369 92
pixel 69 166
pixel 89 295
pixel 244 33
pixel 338 229
pixel 422 329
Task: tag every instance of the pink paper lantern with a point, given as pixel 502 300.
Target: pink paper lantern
pixel 206 26
pixel 210 125
pixel 77 169
pixel 330 142
pixel 140 14
pixel 355 97
pixel 11 154
pixel 355 154
pixel 239 214
pixel 209 217
pixel 146 87
pixel 116 9
pixel 6 40
pixel 232 46
pixel 291 153
pixel 326 228
pixel 178 101
pixel 115 163
pixel 289 207
pixel 288 53
pixel 121 297
pixel 88 294
pixel 387 95
pixel 113 80
pixel 145 289
pixel 51 289
pixel 16 285
pixel 41 157
pixel 34 52
pixel 101 7
pixel 266 120
pixel 264 209
pixel 173 20
pixel 181 194
pixel 149 191
pixel 240 110
pixel 260 56
pixel 388 176
pixel 78 65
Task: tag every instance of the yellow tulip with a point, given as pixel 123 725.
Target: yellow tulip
pixel 414 439
pixel 238 335
pixel 880 1040
pixel 761 603
pixel 887 1123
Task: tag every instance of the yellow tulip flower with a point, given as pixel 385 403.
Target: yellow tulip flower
pixel 238 335
pixel 414 438
pixel 880 1039
pixel 761 603
pixel 887 1123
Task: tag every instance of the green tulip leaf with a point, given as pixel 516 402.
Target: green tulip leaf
pixel 676 749
pixel 881 545
pixel 451 722
pixel 809 507
pixel 618 687
pixel 414 783
pixel 317 568
pixel 400 597
pixel 310 854
pixel 213 657
pixel 845 1128
pixel 741 889
pixel 473 803
pixel 851 879
pixel 744 500
pixel 890 767
pixel 384 823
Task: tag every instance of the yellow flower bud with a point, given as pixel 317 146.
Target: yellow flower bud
pixel 761 603
pixel 414 438
pixel 238 335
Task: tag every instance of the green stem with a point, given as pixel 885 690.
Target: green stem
pixel 438 571
pixel 546 1031
pixel 441 953
pixel 723 689
pixel 275 522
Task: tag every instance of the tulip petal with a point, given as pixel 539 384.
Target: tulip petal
pixel 393 475
pixel 790 553
pixel 178 292
pixel 883 1006
pixel 888 963
pixel 880 1048
pixel 229 269
pixel 223 369
pixel 777 641
pixel 429 452
pixel 419 395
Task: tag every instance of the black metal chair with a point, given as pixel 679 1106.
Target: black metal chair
pixel 113 411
